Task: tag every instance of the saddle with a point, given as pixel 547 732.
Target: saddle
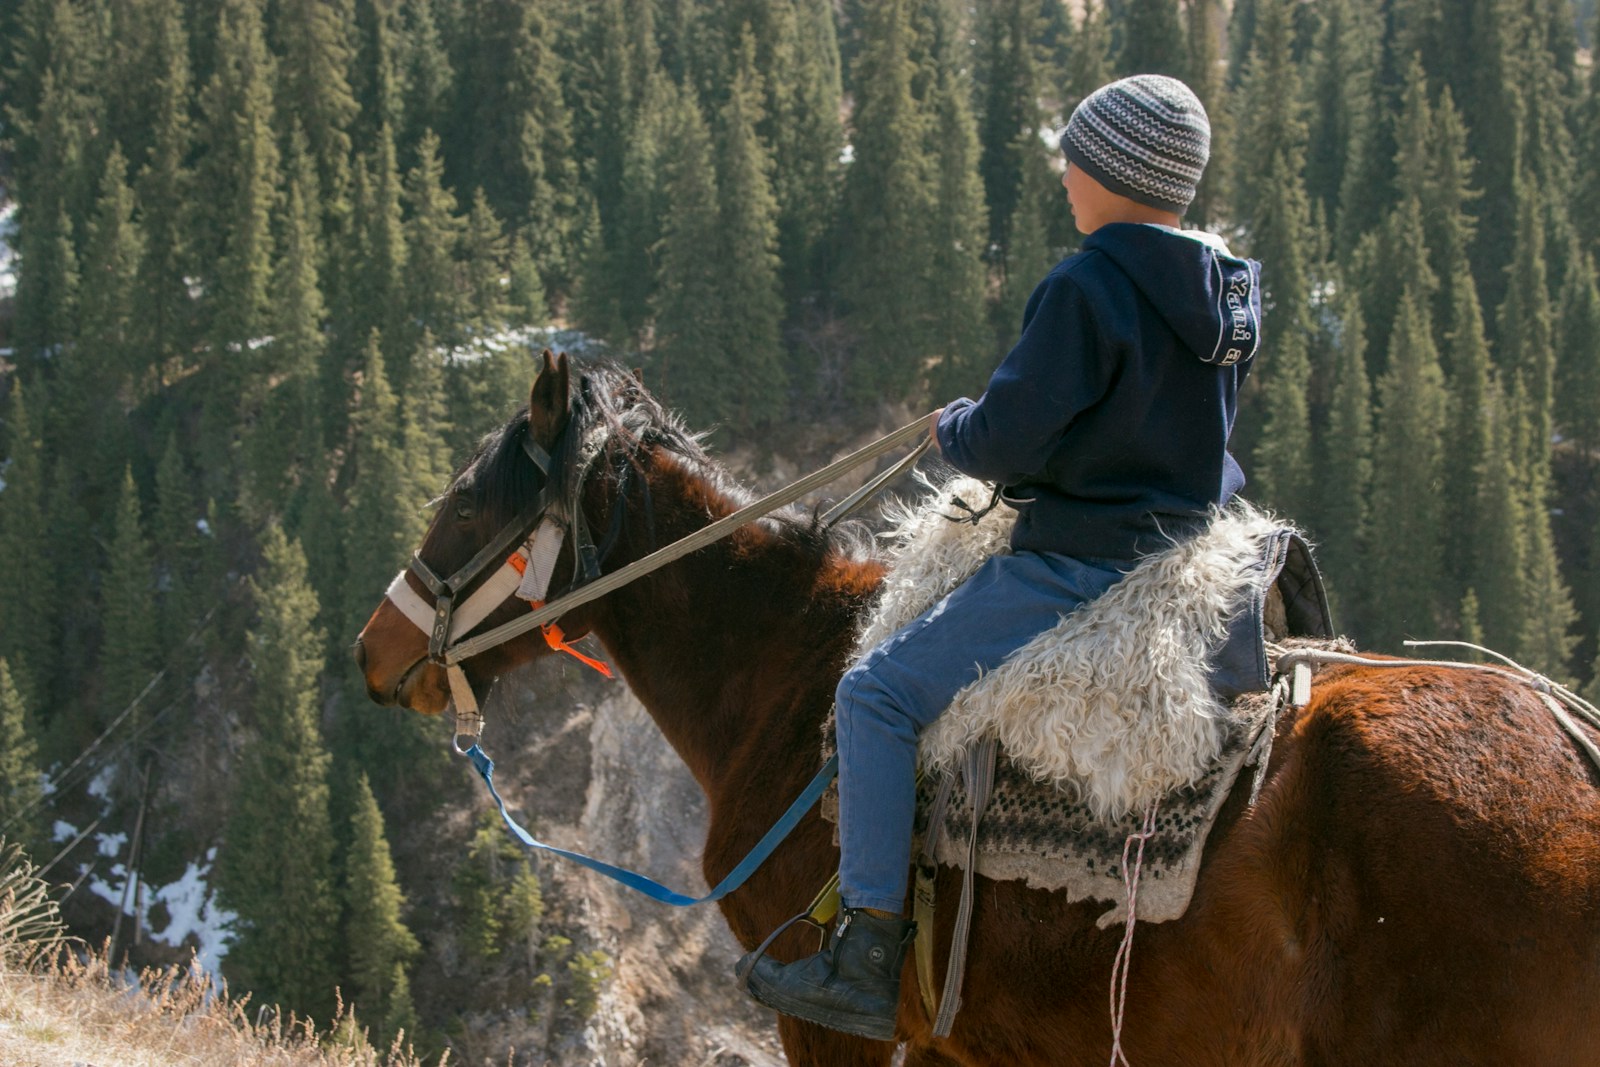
pixel 1151 699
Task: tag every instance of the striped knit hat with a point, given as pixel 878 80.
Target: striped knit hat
pixel 1145 137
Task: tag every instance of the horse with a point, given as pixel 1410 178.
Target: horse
pixel 1417 881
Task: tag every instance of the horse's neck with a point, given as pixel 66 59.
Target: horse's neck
pixel 735 649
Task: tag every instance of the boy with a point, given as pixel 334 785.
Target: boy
pixel 1107 427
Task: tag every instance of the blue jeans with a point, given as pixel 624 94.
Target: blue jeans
pixel 887 699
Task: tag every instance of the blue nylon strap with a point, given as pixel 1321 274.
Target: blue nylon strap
pixel 649 887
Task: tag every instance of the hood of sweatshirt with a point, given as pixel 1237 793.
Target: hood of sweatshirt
pixel 1210 297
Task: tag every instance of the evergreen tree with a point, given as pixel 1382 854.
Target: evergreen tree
pixel 132 645
pixel 1091 55
pixel 376 266
pixel 426 75
pixel 1500 554
pixel 314 38
pixel 378 78
pixel 20 791
pixel 178 551
pixel 888 200
pixel 47 283
pixel 1448 227
pixel 27 611
pixel 1527 350
pixel 163 186
pixel 107 307
pixel 805 132
pixel 283 442
pixel 1548 635
pixel 284 896
pixel 1275 420
pixel 1341 115
pixel 238 190
pixel 484 253
pixel 1471 427
pixel 1008 85
pixel 1205 77
pixel 752 307
pixel 380 945
pixel 524 290
pixel 433 289
pixel 1404 567
pixel 1344 474
pixel 1152 39
pixel 1578 364
pixel 688 362
pixel 957 280
pixel 512 134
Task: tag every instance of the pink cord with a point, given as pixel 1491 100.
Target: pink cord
pixel 1124 958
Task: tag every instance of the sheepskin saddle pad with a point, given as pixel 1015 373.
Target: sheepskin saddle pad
pixel 1156 693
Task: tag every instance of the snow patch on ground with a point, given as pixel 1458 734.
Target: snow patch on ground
pixel 100 786
pixel 526 338
pixel 63 831
pixel 193 914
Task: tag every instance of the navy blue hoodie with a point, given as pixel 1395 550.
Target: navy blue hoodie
pixel 1108 423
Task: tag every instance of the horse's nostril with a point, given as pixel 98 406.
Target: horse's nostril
pixel 360 651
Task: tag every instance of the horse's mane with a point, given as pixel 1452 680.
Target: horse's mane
pixel 611 412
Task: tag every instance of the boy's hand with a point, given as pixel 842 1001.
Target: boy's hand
pixel 933 428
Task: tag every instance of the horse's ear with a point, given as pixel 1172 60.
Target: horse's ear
pixel 547 401
pixel 638 375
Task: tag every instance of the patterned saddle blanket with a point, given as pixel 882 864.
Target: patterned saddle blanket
pixel 1155 694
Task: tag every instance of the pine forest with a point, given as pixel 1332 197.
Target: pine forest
pixel 271 267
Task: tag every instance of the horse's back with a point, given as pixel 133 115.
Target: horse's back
pixel 1418 883
pixel 1426 856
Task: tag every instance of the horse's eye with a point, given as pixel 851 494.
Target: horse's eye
pixel 464 511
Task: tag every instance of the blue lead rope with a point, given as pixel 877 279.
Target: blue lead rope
pixel 647 886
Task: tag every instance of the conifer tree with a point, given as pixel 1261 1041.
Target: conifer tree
pixel 238 188
pixel 1578 364
pixel 377 265
pixel 378 78
pixel 1344 473
pixel 513 133
pixel 283 443
pixel 19 769
pixel 47 282
pixel 1008 83
pixel 426 75
pixel 1471 426
pixel 315 42
pixel 73 538
pixel 1548 634
pixel 285 896
pixel 888 200
pixel 805 132
pixel 1152 39
pixel 1275 420
pixel 751 304
pixel 1205 76
pixel 1527 348
pixel 687 359
pixel 1448 227
pixel 1029 259
pixel 1341 114
pixel 383 524
pixel 27 611
pixel 132 647
pixel 380 945
pixel 484 253
pixel 957 280
pixel 1404 566
pixel 178 552
pixel 163 185
pixel 1499 557
pixel 110 266
pixel 1091 54
pixel 433 289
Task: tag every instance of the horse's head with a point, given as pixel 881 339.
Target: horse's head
pixel 520 474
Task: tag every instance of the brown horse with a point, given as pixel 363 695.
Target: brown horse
pixel 1418 883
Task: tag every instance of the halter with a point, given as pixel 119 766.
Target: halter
pixel 525 572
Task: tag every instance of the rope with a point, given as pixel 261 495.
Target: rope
pixel 1553 693
pixel 1123 962
pixel 680 548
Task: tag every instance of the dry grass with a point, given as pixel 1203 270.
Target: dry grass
pixel 61 1006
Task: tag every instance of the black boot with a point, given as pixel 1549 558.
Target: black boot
pixel 852 985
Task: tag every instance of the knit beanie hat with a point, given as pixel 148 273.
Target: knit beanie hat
pixel 1145 137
